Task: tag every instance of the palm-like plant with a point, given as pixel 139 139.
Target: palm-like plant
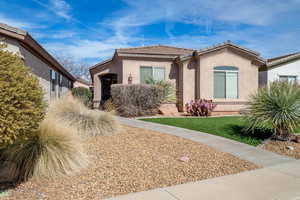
pixel 276 107
pixel 169 94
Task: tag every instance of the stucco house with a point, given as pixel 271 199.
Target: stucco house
pixel 82 83
pixel 283 68
pixel 53 77
pixel 226 73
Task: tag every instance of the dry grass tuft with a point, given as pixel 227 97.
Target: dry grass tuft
pixel 86 121
pixel 53 150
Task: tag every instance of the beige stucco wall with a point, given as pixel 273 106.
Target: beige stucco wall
pixel 247 78
pixel 79 84
pixel 132 66
pixel 38 67
pixel 114 67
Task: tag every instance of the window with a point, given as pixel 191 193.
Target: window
pixel 226 82
pixel 156 73
pixel 291 79
pixel 60 85
pixel 53 82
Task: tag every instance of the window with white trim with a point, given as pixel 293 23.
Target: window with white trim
pixel 149 72
pixel 291 79
pixel 226 82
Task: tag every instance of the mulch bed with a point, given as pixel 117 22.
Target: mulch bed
pixel 135 160
pixel 281 148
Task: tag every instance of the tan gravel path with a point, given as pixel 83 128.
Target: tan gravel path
pixel 133 161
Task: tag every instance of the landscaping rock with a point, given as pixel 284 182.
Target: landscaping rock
pixel 184 159
pixel 290 148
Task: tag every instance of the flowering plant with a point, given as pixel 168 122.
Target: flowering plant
pixel 200 107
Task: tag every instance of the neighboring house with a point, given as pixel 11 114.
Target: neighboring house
pixel 54 79
pixel 226 73
pixel 82 83
pixel 283 68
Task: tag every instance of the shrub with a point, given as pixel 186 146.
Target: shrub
pixel 136 99
pixel 21 99
pixel 87 122
pixel 275 107
pixel 108 106
pixel 200 107
pixel 83 94
pixel 169 92
pixel 52 150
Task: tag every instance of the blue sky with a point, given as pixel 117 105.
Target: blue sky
pixel 90 30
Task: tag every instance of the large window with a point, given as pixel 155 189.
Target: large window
pixel 156 73
pixel 291 79
pixel 226 82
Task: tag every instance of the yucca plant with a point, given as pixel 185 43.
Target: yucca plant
pixel 53 150
pixel 87 122
pixel 275 107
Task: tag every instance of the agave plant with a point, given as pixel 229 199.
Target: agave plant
pixel 275 107
pixel 200 107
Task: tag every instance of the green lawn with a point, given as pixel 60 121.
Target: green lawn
pixel 228 127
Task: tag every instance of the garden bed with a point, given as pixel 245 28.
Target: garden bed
pixel 281 147
pixel 135 160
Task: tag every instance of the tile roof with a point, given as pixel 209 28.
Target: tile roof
pixel 157 50
pixel 25 38
pixel 283 59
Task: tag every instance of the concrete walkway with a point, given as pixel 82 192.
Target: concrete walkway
pixel 279 179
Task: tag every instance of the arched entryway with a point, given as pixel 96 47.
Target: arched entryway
pixel 106 81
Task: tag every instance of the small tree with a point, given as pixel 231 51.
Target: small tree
pixel 21 99
pixel 275 107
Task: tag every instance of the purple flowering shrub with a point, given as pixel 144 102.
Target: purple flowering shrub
pixel 200 107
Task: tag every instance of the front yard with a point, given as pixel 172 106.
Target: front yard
pixel 228 127
pixel 132 161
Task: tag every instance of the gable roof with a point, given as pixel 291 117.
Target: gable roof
pixel 83 81
pixel 283 59
pixel 227 44
pixel 155 50
pixel 25 38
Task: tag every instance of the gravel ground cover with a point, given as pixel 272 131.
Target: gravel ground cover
pixel 135 160
pixel 282 148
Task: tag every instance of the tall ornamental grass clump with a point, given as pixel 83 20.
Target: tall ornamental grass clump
pixel 136 99
pixel 87 122
pixel 275 107
pixel 21 99
pixel 53 150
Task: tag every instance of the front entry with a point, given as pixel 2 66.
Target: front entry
pixel 106 81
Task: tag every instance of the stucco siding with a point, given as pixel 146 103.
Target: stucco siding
pixel 132 67
pixel 286 69
pixel 38 67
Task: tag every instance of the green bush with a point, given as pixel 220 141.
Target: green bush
pixel 275 107
pixel 53 150
pixel 83 94
pixel 21 99
pixel 136 99
pixel 169 92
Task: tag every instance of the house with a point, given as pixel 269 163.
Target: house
pixel 82 83
pixel 285 67
pixel 226 73
pixel 53 77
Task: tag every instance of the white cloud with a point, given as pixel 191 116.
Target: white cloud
pixel 17 23
pixel 61 8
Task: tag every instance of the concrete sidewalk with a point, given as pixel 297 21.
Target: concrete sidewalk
pixel 279 179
